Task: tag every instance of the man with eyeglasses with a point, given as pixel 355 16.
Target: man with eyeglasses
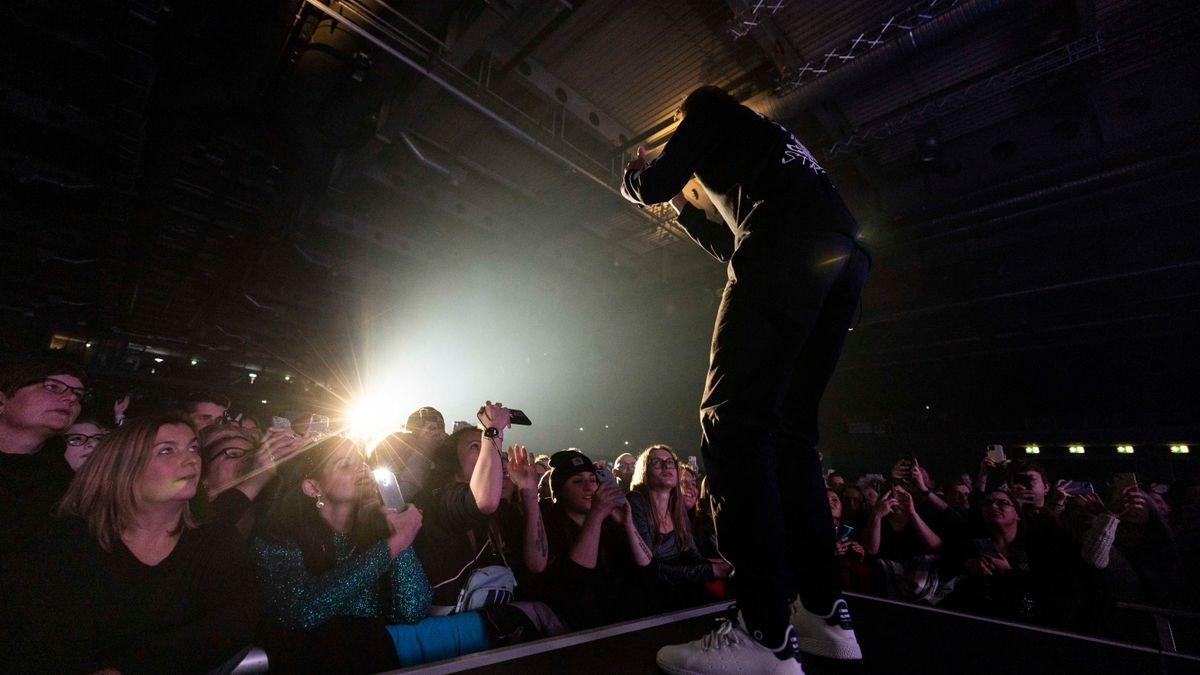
pixel 39 400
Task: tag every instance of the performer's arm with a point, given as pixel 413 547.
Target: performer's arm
pixel 712 237
pixel 656 182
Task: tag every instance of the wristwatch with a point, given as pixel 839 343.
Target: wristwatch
pixel 491 432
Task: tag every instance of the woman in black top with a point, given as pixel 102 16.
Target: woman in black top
pixel 125 582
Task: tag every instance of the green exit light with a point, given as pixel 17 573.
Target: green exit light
pixel 1033 450
pixel 1180 450
pixel 1076 449
pixel 1125 449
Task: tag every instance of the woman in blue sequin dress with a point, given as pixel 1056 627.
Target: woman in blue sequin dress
pixel 340 576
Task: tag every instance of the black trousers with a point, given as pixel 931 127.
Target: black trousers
pixel 779 333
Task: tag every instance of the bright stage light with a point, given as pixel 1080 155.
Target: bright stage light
pixel 372 417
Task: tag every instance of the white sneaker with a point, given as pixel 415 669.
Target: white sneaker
pixel 831 636
pixel 729 650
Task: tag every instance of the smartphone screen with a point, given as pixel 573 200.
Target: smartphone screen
pixel 389 489
pixel 996 453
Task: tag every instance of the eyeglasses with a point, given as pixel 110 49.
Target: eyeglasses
pixel 59 387
pixel 82 439
pixel 655 463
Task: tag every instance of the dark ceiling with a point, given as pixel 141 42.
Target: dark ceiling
pixel 258 183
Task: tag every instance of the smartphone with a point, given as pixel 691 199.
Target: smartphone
pixel 318 424
pixel 845 532
pixel 1079 487
pixel 693 463
pixel 514 416
pixel 996 453
pixel 605 475
pixel 389 489
pixel 281 423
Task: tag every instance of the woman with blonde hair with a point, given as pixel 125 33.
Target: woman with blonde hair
pixel 124 581
pixel 661 517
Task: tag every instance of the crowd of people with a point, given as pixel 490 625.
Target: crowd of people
pixel 173 540
pixel 1013 542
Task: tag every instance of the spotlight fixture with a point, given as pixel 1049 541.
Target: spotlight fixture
pixel 581 428
pixel 194 361
pixel 253 376
pixel 1125 449
pixel 87 345
pixel 158 359
pixel 1180 449
pixel 264 401
pixel 287 378
pixel 1076 449
pixel 1033 450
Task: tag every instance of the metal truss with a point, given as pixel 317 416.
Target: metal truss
pixel 1036 68
pixel 908 19
pixel 751 14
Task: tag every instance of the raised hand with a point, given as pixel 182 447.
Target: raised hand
pixel 494 415
pixel 403 527
pixel 520 468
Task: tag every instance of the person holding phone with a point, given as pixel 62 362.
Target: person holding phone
pixel 795 272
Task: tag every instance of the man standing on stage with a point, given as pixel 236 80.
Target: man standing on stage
pixel 795 273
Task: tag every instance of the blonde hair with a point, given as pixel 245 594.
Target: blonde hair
pixel 675 508
pixel 103 492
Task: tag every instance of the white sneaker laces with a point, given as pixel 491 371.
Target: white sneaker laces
pixel 722 636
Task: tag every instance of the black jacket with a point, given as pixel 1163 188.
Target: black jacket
pixel 753 169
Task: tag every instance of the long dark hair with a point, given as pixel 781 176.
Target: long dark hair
pixel 445 468
pixel 678 515
pixel 293 520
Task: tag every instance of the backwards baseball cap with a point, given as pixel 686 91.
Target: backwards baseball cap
pixel 423 415
pixel 567 463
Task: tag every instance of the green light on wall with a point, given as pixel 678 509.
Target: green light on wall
pixel 1076 449
pixel 1180 450
pixel 1033 450
pixel 1125 449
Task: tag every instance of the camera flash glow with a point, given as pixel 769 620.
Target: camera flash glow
pixel 383 475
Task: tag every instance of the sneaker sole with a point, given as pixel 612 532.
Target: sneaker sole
pixel 841 651
pixel 672 670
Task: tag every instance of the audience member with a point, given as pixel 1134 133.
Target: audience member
pixel 237 468
pixel 598 563
pixel 623 470
pixel 205 408
pixel 81 439
pixel 661 518
pixel 124 581
pixel 337 567
pixel 39 400
pixel 464 541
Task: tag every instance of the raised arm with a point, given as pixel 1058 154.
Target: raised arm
pixel 533 538
pixel 487 478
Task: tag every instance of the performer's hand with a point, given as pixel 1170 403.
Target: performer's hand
pixel 639 160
